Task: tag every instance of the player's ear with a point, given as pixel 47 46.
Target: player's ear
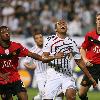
pixel 56 27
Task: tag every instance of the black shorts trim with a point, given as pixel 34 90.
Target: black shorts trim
pixel 12 88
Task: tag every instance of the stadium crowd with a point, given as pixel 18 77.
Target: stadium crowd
pixel 26 16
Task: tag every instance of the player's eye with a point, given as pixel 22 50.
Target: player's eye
pixel 98 18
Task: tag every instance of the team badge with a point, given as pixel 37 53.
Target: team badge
pixel 7 51
pixel 99 38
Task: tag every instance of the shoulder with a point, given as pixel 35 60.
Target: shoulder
pixel 91 33
pixel 49 38
pixel 71 41
pixel 15 44
pixel 33 49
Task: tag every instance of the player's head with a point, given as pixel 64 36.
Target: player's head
pixel 38 38
pixel 98 22
pixel 4 33
pixel 61 26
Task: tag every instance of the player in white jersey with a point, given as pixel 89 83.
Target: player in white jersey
pixel 59 76
pixel 39 66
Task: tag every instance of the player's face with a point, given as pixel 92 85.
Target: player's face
pixel 39 40
pixel 98 23
pixel 61 27
pixel 4 34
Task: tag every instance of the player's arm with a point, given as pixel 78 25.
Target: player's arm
pixel 4 76
pixel 45 57
pixel 79 61
pixel 48 57
pixel 35 56
pixel 81 64
pixel 83 54
pixel 84 47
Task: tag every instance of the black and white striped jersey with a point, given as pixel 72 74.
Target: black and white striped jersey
pixel 54 45
pixel 41 67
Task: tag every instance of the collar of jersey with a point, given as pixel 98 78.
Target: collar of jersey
pixel 61 38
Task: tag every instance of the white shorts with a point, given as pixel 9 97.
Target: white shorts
pixel 41 81
pixel 57 83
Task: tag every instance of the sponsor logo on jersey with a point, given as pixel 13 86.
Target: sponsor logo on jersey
pixel 7 51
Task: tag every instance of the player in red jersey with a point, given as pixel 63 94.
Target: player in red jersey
pixel 90 52
pixel 10 82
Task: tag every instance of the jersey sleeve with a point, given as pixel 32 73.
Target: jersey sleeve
pixel 47 46
pixel 75 51
pixel 86 42
pixel 23 51
pixel 29 59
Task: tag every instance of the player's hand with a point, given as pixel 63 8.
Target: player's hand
pixel 93 82
pixel 5 76
pixel 88 63
pixel 59 55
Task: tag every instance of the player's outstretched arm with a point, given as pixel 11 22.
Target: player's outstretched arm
pixel 81 64
pixel 5 76
pixel 43 58
pixel 35 56
pixel 87 61
pixel 47 57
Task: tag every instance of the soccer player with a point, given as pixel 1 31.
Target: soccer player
pixel 38 66
pixel 90 51
pixel 59 76
pixel 10 82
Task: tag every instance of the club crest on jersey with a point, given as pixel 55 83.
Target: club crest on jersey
pixel 7 51
pixel 99 38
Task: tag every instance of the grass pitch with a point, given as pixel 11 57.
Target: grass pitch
pixel 92 95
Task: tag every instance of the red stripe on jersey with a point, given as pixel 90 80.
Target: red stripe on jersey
pixel 55 38
pixel 56 42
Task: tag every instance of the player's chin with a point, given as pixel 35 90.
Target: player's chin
pixel 7 40
pixel 63 32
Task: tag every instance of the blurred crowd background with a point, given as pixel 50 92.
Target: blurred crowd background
pixel 25 17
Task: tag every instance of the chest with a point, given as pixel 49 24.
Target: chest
pixel 61 46
pixel 38 51
pixel 9 53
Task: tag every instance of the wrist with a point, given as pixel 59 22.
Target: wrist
pixel 85 60
pixel 54 57
pixel 91 78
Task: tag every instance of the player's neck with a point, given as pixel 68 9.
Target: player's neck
pixel 5 44
pixel 40 46
pixel 98 30
pixel 62 36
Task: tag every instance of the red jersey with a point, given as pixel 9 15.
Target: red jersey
pixel 9 61
pixel 92 45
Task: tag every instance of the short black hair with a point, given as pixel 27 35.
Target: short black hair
pixel 3 28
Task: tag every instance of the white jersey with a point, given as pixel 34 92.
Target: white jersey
pixel 40 66
pixel 68 46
